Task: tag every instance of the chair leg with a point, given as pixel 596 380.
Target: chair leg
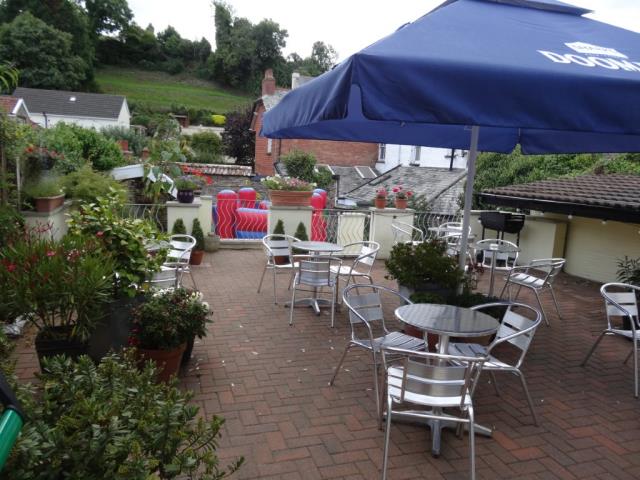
pixel 293 304
pixel 495 382
pixel 344 355
pixel 626 360
pixel 526 392
pixel 555 301
pixel 262 278
pixel 635 366
pixel 275 293
pixel 544 314
pixel 376 380
pixel 387 434
pixel 504 287
pixel 334 294
pixel 593 348
pixel 472 443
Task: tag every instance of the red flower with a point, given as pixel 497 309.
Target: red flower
pixel 409 193
pixel 11 267
pixel 396 189
pixel 50 253
pixel 100 234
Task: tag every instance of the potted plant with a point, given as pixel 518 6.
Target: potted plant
pixel 186 184
pixel 179 227
pixel 279 230
pixel 46 193
pixel 60 286
pixel 163 326
pixel 381 198
pixel 289 191
pixel 401 196
pixel 198 251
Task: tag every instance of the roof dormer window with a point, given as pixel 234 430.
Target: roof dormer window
pixel 72 99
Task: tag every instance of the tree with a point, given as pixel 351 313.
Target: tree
pixel 8 77
pixel 322 59
pixel 223 22
pixel 42 53
pixel 270 39
pixel 108 16
pixel 237 139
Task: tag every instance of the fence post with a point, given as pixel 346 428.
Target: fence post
pixel 380 229
pixel 206 213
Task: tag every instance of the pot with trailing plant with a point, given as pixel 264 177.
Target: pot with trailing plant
pixel 289 191
pixel 198 251
pixel 381 198
pixel 46 193
pixel 401 196
pixel 60 286
pixel 165 324
pixel 186 185
pixel 425 269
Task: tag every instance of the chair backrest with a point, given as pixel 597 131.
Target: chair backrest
pixel 181 246
pixel 278 245
pixel 433 374
pixel 518 326
pixel 315 270
pixel 168 277
pixel 504 260
pixel 405 233
pixel 551 267
pixel 365 305
pixel 363 263
pixel 621 300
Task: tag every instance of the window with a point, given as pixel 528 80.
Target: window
pixel 415 156
pixel 269 144
pixel 382 152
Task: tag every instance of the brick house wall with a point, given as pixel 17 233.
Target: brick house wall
pixel 327 152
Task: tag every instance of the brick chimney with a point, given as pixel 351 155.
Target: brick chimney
pixel 268 83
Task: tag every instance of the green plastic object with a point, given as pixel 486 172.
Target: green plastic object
pixel 10 426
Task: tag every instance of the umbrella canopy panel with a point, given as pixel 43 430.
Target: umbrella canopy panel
pixel 534 72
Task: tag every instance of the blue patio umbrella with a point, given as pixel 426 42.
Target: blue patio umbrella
pixel 480 75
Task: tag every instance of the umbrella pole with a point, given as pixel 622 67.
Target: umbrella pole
pixel 468 195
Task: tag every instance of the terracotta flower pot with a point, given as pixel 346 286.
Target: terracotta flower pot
pixel 196 257
pixel 48 204
pixel 167 361
pixel 401 203
pixel 185 196
pixel 380 202
pixel 286 198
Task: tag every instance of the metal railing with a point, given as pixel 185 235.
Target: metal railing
pixel 157 213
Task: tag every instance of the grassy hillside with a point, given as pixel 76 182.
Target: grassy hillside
pixel 160 89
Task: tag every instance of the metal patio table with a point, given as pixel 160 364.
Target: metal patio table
pixel 316 248
pixel 494 248
pixel 446 321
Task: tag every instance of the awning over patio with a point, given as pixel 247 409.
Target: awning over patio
pixel 607 197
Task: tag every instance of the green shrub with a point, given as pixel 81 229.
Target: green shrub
pixel 49 186
pixel 198 234
pixel 303 165
pixel 207 147
pixel 103 152
pixel 113 421
pixel 178 227
pixel 219 120
pixel 279 228
pixel 137 141
pixel 85 184
pixel 11 224
pixel 62 139
pixel 629 271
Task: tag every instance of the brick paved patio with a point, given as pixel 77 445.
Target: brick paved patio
pixel 269 381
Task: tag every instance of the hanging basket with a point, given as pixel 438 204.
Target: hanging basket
pixel 288 198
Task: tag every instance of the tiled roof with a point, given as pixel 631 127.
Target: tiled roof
pixel 621 192
pixel 8 103
pixel 59 102
pixel 270 101
pixel 350 178
pixel 441 187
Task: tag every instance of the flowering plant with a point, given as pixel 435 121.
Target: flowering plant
pixel 287 183
pixel 201 176
pixel 57 283
pixel 382 193
pixel 401 193
pixel 169 318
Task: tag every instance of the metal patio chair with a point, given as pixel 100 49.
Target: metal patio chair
pixel 313 272
pixel 166 278
pixel 406 233
pixel 361 266
pixel 434 380
pixel 538 276
pixel 278 249
pixel 366 314
pixel 504 260
pixel 621 302
pixel 517 331
pixel 179 255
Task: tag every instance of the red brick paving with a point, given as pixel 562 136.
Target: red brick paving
pixel 269 381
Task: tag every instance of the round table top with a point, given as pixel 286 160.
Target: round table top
pixel 318 246
pixel 447 320
pixel 491 245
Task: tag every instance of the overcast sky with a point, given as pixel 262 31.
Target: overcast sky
pixel 348 25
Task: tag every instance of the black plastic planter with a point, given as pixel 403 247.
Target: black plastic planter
pixel 54 342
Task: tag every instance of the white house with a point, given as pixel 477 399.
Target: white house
pixel 15 108
pixel 391 156
pixel 48 107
